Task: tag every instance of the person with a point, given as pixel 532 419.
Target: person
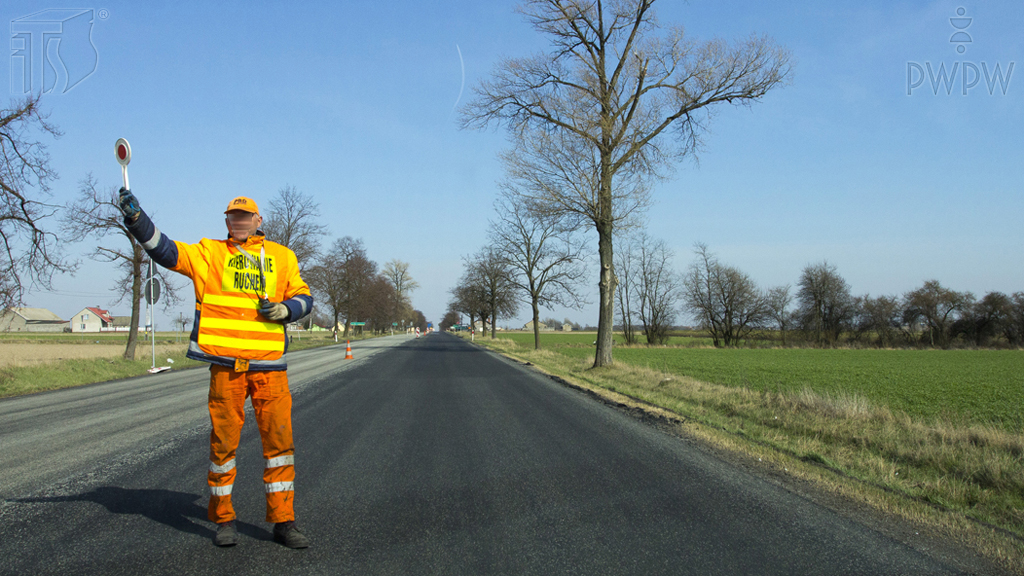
pixel 247 288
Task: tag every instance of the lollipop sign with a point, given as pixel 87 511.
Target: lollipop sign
pixel 123 151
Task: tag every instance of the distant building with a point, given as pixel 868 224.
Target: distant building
pixel 543 327
pixel 566 327
pixel 121 323
pixel 93 319
pixel 31 320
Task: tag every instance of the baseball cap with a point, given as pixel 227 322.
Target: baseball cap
pixel 243 203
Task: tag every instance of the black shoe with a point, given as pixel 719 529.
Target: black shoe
pixel 226 534
pixel 288 533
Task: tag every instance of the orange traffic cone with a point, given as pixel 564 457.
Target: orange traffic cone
pixel 348 351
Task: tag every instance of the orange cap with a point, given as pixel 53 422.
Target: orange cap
pixel 244 204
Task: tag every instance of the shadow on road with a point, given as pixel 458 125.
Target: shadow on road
pixel 179 510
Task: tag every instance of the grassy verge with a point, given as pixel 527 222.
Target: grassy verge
pixel 15 381
pixel 963 480
pixel 18 380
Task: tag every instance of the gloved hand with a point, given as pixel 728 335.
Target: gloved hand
pixel 128 204
pixel 274 311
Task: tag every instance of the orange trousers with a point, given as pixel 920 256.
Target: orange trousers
pixel 272 403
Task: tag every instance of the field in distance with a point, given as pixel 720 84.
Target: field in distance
pixel 967 386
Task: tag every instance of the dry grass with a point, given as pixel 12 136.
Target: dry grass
pixel 965 480
pixel 26 354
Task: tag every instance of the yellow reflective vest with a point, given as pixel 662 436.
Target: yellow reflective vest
pixel 228 286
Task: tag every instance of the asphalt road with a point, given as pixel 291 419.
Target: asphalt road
pixel 422 456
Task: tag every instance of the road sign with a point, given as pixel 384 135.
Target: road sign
pixel 357 323
pixel 394 323
pixel 152 290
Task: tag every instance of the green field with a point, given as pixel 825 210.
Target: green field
pixel 968 386
pixel 586 339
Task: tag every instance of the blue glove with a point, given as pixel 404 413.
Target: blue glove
pixel 128 204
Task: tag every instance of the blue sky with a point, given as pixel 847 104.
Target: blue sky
pixel 354 103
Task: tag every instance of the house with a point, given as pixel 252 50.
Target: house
pixel 92 319
pixel 543 327
pixel 31 320
pixel 566 327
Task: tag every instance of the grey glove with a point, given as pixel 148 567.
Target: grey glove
pixel 275 311
pixel 128 204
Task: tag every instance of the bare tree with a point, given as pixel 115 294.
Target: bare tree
pixel 938 307
pixel 291 221
pixel 29 253
pixel 491 277
pixel 882 316
pixel 826 307
pixel 1014 328
pixel 545 258
pixel 182 322
pixel 397 273
pixel 626 272
pixel 379 305
pixel 657 288
pixel 987 318
pixel 451 318
pixel 598 108
pixel 419 320
pixel 95 214
pixel 342 279
pixel 777 303
pixel 467 298
pixel 725 301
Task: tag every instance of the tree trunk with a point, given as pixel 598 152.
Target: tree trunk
pixel 494 322
pixel 133 329
pixel 605 322
pixel 536 325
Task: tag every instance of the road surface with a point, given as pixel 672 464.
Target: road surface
pixel 422 456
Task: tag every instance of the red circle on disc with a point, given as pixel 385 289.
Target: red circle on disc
pixel 122 152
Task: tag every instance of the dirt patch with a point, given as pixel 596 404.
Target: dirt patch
pixel 32 354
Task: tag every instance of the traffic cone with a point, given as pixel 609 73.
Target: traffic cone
pixel 348 351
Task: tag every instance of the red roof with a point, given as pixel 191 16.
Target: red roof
pixel 103 314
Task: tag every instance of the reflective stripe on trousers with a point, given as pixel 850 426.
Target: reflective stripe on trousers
pixel 272 403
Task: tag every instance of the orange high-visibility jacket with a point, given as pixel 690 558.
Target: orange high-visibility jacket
pixel 228 287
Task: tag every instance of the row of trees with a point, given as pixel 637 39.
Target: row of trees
pixel 349 287
pixel 531 258
pixel 730 306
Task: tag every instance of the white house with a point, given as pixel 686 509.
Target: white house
pixel 31 320
pixel 92 319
